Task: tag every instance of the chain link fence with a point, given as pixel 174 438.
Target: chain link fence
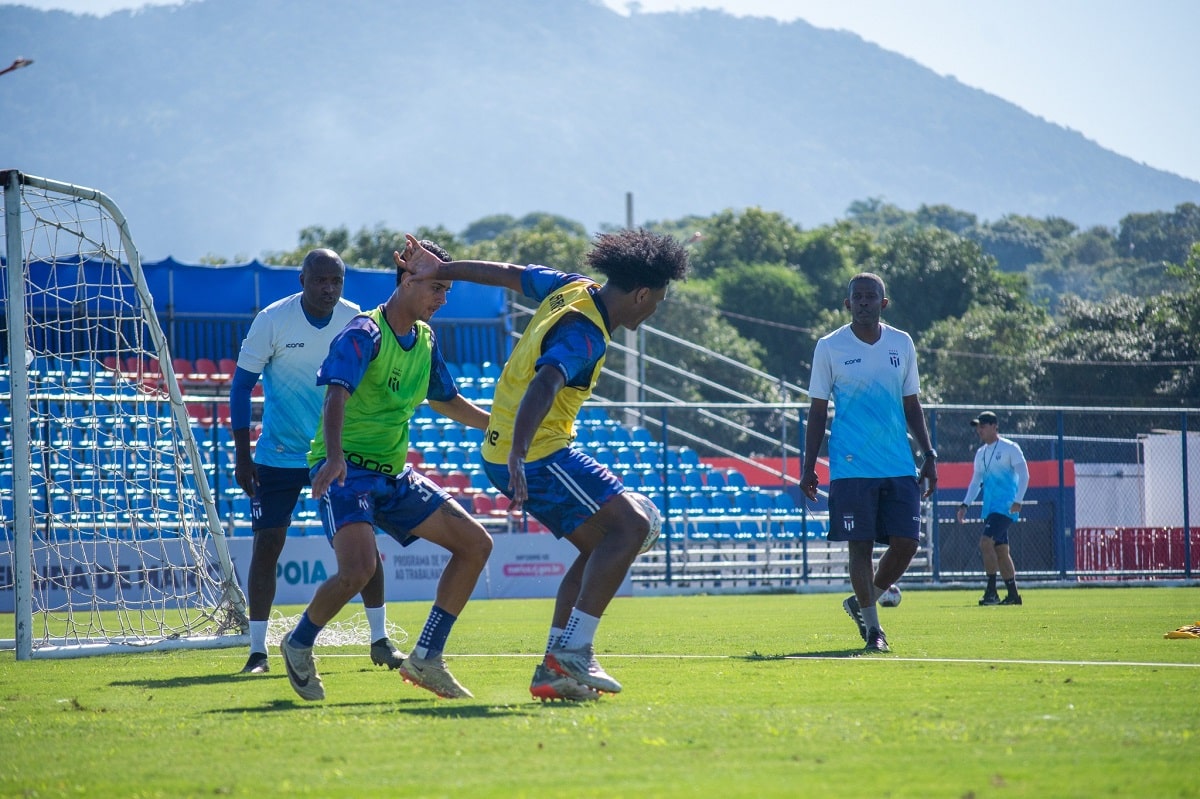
pixel 1109 496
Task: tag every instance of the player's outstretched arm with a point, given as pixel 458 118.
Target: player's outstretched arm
pixel 424 265
pixel 463 411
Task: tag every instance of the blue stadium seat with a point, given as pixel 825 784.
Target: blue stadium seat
pixel 735 479
pixel 715 478
pixel 720 503
pixel 640 435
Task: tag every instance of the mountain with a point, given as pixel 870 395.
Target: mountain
pixel 226 126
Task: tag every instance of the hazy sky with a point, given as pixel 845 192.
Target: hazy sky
pixel 1122 73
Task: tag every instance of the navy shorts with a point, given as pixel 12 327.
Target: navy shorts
pixel 995 527
pixel 874 509
pixel 275 496
pixel 565 488
pixel 393 503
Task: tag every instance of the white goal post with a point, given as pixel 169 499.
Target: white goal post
pixel 109 536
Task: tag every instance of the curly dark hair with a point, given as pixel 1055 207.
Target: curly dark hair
pixel 631 259
pixel 434 248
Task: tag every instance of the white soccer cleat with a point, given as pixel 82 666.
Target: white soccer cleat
pixel 550 686
pixel 432 675
pixel 580 664
pixel 302 670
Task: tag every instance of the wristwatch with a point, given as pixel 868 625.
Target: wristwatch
pixel 931 453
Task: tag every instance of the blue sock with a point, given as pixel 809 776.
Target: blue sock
pixel 433 638
pixel 305 632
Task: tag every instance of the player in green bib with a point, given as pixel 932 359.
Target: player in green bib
pixel 379 369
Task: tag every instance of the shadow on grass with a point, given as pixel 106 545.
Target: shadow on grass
pixel 831 653
pixel 189 680
pixel 440 710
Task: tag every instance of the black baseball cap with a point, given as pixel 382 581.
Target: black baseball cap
pixel 987 417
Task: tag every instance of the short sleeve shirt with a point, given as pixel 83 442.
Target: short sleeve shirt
pixel 867 384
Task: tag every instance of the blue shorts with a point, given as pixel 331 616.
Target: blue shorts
pixel 995 527
pixel 275 496
pixel 393 503
pixel 565 488
pixel 874 509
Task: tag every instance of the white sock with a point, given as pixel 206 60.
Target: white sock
pixel 258 636
pixel 555 634
pixel 580 630
pixel 377 618
pixel 870 615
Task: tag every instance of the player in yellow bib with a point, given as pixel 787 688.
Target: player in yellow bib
pixel 527 454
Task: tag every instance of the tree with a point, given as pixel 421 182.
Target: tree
pixel 946 217
pixel 753 236
pixel 1160 236
pixel 1104 353
pixel 547 243
pixel 989 355
pixel 769 303
pixel 932 274
pixel 690 313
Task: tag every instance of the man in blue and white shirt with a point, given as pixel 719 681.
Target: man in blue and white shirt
pixel 869 371
pixel 286 344
pixel 1003 475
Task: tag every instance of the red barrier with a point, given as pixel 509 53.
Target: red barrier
pixel 1128 549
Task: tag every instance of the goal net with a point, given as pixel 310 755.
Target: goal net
pixel 111 541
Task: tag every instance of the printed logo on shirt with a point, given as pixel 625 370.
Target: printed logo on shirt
pixel 394 380
pixel 852 360
pixel 894 357
pixel 848 522
pixel 292 345
pixel 557 302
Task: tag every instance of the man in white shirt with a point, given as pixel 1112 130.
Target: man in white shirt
pixel 1003 476
pixel 869 370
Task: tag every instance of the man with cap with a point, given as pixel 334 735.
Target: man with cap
pixel 1002 475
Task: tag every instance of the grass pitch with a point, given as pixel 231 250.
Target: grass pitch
pixel 1074 694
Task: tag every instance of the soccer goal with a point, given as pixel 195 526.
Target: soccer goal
pixel 111 540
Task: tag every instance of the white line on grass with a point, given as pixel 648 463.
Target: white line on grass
pixel 859 658
pixel 881 658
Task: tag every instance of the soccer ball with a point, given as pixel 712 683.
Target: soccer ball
pixel 652 513
pixel 891 597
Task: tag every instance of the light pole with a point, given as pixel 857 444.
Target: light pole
pixel 20 62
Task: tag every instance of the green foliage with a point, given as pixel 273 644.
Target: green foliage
pixel 369 248
pixel 497 225
pixel 770 301
pixel 691 314
pixel 987 353
pixel 1017 310
pixel 1161 236
pixel 931 274
pixel 753 236
pixel 546 243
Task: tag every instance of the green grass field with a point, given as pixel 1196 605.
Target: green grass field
pixel 1075 694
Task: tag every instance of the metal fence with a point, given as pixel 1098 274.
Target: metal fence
pixel 1109 498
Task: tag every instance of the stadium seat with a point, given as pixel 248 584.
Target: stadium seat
pixel 483 504
pixel 641 435
pixel 456 480
pixel 715 478
pixel 735 479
